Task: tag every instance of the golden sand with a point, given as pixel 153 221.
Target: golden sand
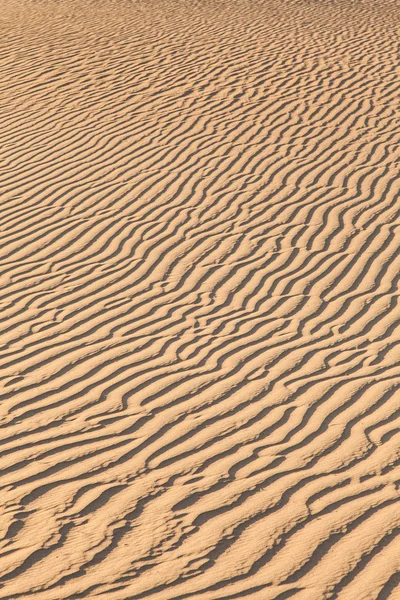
pixel 200 316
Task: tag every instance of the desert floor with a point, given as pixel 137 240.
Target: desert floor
pixel 199 310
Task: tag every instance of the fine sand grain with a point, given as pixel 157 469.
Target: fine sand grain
pixel 199 310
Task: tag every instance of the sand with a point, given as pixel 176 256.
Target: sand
pixel 200 315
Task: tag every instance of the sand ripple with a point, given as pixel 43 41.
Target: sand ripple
pixel 200 316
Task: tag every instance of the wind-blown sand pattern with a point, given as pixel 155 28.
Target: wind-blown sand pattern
pixel 200 316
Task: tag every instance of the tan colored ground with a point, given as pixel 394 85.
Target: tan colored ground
pixel 200 316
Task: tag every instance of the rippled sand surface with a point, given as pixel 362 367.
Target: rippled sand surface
pixel 199 310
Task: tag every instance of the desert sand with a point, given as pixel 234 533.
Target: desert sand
pixel 200 315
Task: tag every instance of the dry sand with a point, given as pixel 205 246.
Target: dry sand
pixel 200 316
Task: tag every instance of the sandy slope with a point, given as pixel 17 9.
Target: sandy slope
pixel 200 314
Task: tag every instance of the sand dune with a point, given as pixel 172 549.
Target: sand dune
pixel 200 316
